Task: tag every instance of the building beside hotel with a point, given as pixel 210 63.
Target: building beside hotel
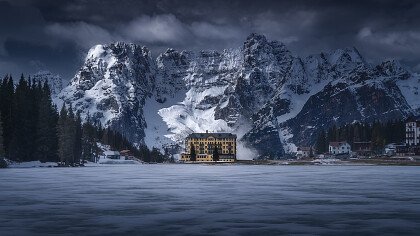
pixel 335 148
pixel 412 132
pixel 204 145
pixel 412 138
pixel 304 152
pixel 362 148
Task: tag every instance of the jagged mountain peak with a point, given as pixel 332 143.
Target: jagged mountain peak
pixel 118 50
pixel 171 57
pixel 256 38
pixel 259 91
pixel 350 53
pixel 112 86
pixel 393 67
pixel 258 51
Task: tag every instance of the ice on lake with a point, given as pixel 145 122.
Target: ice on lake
pixel 210 199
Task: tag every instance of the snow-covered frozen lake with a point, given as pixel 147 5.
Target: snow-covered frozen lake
pixel 208 200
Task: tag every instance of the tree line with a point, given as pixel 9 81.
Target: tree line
pixel 378 133
pixel 31 128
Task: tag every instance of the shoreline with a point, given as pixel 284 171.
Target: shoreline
pixel 339 162
pixel 300 162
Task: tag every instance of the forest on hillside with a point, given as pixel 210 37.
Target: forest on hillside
pixel 31 128
pixel 378 133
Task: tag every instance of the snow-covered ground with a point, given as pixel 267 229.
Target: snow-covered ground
pixel 210 200
pixel 104 160
pixel 31 164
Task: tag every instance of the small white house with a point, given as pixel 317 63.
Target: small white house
pixel 391 149
pixel 304 152
pixel 335 148
pixel 115 155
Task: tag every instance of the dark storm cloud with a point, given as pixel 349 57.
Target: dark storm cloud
pixel 55 35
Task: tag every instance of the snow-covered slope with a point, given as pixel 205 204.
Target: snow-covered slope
pixel 272 99
pixel 112 87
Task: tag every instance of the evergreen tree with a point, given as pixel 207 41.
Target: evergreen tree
pixel 193 155
pixel 145 154
pixel 46 135
pixel 77 148
pixel 378 139
pixel 3 163
pixel 356 133
pixel 157 155
pixel 106 136
pixel 311 152
pixel 2 152
pixel 61 134
pixel 215 153
pixel 71 136
pixel 6 107
pixel 87 140
pixel 66 136
pixel 321 143
pixel 23 135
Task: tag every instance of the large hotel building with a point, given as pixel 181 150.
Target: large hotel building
pixel 204 144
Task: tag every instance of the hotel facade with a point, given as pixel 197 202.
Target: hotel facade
pixel 205 143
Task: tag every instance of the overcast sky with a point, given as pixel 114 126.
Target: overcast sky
pixel 55 35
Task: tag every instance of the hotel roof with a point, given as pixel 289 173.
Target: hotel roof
pixel 215 135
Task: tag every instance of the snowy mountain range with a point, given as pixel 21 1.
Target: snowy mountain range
pixel 273 100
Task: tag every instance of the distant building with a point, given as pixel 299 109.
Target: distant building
pixel 304 152
pixel 412 132
pixel 205 143
pixel 127 154
pixel 335 148
pixel 112 155
pixel 402 150
pixel 396 149
pixel 362 148
pixel 405 150
pixel 391 149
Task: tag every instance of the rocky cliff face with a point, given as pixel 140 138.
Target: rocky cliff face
pixel 272 99
pixel 112 87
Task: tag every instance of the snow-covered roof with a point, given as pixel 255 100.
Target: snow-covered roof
pixel 111 153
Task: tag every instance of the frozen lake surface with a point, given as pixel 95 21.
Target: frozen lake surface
pixel 209 200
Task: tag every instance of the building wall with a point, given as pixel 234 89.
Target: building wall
pixel 412 133
pixel 343 148
pixel 204 149
pixel 302 154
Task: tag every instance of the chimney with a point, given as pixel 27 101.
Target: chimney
pixel 207 131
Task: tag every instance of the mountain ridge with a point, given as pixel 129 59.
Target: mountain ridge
pixel 260 91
